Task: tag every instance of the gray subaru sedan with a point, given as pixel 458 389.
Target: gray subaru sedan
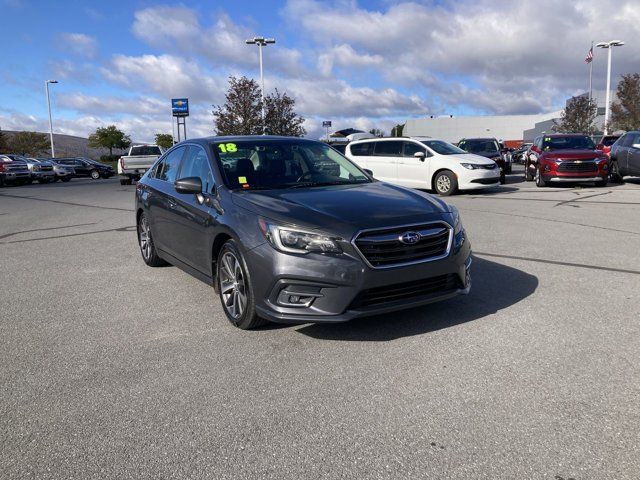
pixel 289 230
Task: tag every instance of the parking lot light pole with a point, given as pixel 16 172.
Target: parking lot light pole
pixel 608 45
pixel 261 42
pixel 46 87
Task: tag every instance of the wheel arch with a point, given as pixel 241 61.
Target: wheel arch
pixel 438 171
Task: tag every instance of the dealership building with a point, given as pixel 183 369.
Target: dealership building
pixel 512 129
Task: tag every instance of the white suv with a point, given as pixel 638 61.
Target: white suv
pixel 422 162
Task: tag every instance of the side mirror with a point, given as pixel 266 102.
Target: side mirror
pixel 420 156
pixel 189 185
pixel 368 172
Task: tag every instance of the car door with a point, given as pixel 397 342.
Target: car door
pixel 384 161
pixel 81 168
pixel 633 154
pixel 619 152
pixel 359 153
pixel 412 171
pixel 163 203
pixel 195 215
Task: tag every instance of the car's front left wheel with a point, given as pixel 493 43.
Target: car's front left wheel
pixel 95 174
pixel 235 288
pixel 445 183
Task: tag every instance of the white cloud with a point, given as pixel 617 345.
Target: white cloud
pixel 79 44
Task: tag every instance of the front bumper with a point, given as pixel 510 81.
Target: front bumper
pixel 334 284
pixel 478 179
pixel 43 175
pixel 574 178
pixel 16 176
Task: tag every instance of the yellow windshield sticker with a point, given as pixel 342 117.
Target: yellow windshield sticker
pixel 242 179
pixel 228 147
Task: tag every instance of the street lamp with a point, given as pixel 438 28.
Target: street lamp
pixel 608 45
pixel 261 42
pixel 46 87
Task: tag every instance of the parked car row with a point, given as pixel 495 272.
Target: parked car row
pixel 20 170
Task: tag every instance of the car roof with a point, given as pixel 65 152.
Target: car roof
pixel 240 138
pixel 558 135
pixel 479 138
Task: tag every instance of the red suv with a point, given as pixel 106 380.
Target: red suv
pixel 561 158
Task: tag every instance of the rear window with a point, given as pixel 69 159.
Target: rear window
pixel 361 149
pixel 145 150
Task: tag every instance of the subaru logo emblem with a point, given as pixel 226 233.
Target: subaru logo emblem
pixel 409 238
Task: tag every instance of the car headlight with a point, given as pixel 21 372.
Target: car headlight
pixel 35 168
pixel 459 234
pixel 455 218
pixel 294 240
pixel 471 166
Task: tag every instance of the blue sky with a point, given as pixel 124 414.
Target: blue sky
pixel 364 64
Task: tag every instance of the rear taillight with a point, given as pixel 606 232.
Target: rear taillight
pixel 1 166
pixel 122 162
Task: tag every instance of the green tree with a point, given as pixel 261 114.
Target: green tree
pixel 578 116
pixel 109 137
pixel 241 112
pixel 4 148
pixel 29 144
pixel 164 140
pixel 625 112
pixel 397 130
pixel 280 117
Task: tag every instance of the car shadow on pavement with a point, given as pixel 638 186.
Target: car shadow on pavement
pixel 495 287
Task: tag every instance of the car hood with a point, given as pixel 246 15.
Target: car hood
pixel 487 154
pixel 471 158
pixel 344 209
pixel 571 154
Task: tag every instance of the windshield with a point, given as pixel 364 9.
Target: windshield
pixel 443 148
pixel 608 141
pixel 476 146
pixel 268 164
pixel 568 143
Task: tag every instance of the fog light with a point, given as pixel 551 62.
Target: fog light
pixel 298 295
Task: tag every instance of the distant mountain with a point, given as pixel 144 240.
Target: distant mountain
pixel 70 146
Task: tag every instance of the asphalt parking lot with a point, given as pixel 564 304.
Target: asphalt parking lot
pixel 111 369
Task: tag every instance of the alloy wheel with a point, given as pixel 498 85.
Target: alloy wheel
pixel 144 234
pixel 443 183
pixel 232 285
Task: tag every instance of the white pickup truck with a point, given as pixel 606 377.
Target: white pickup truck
pixel 140 158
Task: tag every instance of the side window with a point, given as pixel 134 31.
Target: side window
pixel 634 138
pixel 388 149
pixel 411 148
pixel 170 165
pixel 462 145
pixel 157 168
pixel 361 149
pixel 196 164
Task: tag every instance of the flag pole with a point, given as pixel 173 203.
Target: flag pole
pixel 591 75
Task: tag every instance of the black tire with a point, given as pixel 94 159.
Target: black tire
pixel 1 182
pixel 233 284
pixel 66 179
pixel 124 181
pixel 445 183
pixel 603 182
pixel 503 178
pixel 508 168
pixel 27 182
pixel 94 174
pixel 145 242
pixel 539 180
pixel 614 174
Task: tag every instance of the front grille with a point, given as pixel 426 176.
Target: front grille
pixel 489 167
pixel 586 166
pixel 16 167
pixel 383 248
pixel 46 168
pixel 407 290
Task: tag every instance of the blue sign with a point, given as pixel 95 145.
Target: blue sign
pixel 180 107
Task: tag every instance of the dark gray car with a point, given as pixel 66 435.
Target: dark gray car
pixel 625 156
pixel 289 230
